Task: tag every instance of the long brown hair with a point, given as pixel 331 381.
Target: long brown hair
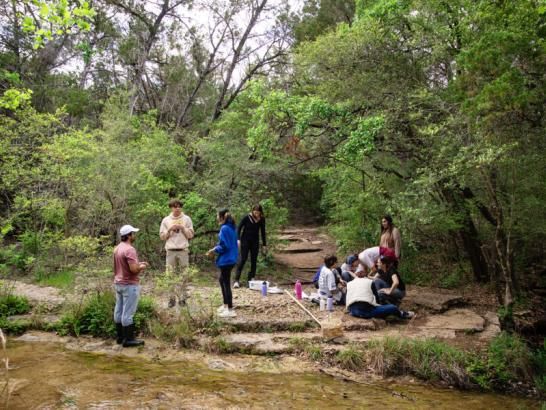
pixel 259 208
pixel 388 218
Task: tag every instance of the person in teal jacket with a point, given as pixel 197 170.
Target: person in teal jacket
pixel 227 252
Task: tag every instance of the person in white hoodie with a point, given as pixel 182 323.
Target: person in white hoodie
pixel 362 299
pixel 176 230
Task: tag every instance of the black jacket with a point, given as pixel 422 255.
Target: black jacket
pixel 249 230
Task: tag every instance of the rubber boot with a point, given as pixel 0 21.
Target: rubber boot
pixel 130 340
pixel 119 333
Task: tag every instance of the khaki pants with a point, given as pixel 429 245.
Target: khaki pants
pixel 177 262
pixel 180 258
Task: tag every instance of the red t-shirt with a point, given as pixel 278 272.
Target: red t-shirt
pixel 124 254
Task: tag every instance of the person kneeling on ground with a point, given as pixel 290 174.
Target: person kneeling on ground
pixel 362 299
pixel 388 282
pixel 349 268
pixel 327 282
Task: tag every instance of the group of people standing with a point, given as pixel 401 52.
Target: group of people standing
pixel 368 283
pixel 176 230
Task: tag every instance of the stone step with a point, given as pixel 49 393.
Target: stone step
pixel 431 300
pixel 305 249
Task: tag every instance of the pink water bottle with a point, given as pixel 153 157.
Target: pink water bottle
pixel 297 289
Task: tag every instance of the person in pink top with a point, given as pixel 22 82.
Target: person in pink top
pixel 126 282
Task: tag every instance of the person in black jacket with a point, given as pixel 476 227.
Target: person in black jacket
pixel 248 233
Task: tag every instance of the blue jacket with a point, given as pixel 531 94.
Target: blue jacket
pixel 227 249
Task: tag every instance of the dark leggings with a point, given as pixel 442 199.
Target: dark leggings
pixel 225 279
pixel 253 248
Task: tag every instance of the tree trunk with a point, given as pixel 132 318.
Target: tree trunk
pixel 469 236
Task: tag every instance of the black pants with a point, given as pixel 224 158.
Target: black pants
pixel 247 246
pixel 225 284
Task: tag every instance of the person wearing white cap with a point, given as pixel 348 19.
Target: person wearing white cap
pixel 126 282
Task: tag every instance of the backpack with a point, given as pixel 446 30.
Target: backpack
pixel 337 274
pixel 317 276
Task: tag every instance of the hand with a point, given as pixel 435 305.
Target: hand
pixel 174 228
pixel 385 291
pixel 210 252
pixel 143 265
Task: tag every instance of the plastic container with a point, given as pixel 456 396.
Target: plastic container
pixel 322 305
pixel 298 290
pixel 264 288
pixel 330 304
pixel 257 284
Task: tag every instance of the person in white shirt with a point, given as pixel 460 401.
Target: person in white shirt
pixel 362 300
pixel 177 230
pixel 327 281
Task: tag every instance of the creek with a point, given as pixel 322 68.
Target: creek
pixel 51 376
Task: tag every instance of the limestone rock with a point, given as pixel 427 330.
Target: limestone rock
pixel 45 295
pixel 458 320
pixel 431 300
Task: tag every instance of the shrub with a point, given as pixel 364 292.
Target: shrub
pixel 94 315
pixel 508 359
pixel 14 327
pixel 145 312
pixel 13 305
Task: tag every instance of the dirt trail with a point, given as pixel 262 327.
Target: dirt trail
pixel 304 250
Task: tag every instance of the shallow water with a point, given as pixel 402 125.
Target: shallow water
pixel 48 376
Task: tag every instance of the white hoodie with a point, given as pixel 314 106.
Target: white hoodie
pixel 176 240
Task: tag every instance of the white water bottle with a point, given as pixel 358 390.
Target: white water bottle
pixel 322 305
pixel 330 304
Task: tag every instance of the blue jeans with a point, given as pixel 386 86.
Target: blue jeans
pixel 367 311
pixel 395 297
pixel 126 303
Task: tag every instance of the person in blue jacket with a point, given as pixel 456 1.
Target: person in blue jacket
pixel 227 252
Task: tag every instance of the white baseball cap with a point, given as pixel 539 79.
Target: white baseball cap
pixel 127 229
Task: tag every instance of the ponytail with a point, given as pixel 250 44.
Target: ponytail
pixel 226 216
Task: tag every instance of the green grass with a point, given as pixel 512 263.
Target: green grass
pixel 62 280
pixel 350 358
pixel 427 359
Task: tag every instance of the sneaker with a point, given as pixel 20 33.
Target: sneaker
pixel 227 313
pixel 236 285
pixel 220 309
pixel 408 315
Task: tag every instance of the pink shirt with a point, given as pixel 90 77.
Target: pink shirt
pixel 124 254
